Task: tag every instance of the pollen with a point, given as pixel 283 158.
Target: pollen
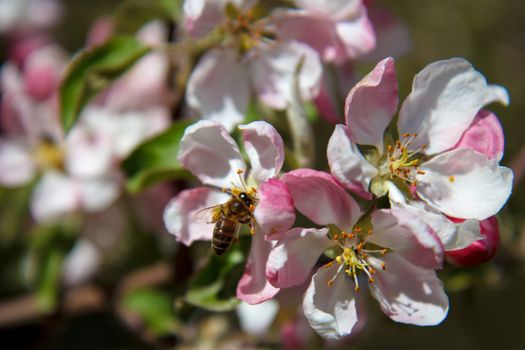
pixel 402 162
pixel 451 178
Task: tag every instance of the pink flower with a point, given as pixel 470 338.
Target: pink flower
pixel 338 30
pixel 211 154
pixel 395 251
pixel 246 63
pixel 447 173
pixel 27 15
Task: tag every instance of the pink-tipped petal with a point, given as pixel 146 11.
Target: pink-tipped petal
pixel 179 215
pixel 408 293
pixel 319 197
pixel 479 251
pixel 371 104
pixel 17 166
pixel 331 310
pixel 407 235
pixel 445 97
pixel 273 69
pixel 335 9
pixel 253 286
pixel 464 183
pixel 484 135
pixel 347 164
pixel 211 154
pixel 218 87
pixel 265 150
pixel 275 211
pixel 292 259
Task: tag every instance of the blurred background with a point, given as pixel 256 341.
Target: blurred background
pixel 129 303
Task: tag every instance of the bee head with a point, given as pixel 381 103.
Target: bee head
pixel 247 199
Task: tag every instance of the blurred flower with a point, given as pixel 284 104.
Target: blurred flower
pixel 449 177
pixel 339 30
pixel 211 154
pixel 257 319
pixel 248 59
pixel 394 250
pixel 28 15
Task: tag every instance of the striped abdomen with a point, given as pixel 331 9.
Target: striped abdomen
pixel 223 234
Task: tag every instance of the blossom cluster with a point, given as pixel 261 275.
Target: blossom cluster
pixel 406 187
pixel 402 195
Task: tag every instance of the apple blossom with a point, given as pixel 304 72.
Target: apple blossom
pixel 211 154
pixel 394 250
pixel 247 60
pixel 446 98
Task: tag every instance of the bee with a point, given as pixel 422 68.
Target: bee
pixel 229 217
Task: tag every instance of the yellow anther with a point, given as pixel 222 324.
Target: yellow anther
pixel 239 171
pixel 339 259
pixel 335 237
pixel 330 264
pixel 370 280
pixel 421 172
pixel 383 266
pixel 451 178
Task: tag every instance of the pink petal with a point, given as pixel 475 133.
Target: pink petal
pixel 292 259
pixel 253 286
pixel 371 104
pixel 408 293
pixel 445 97
pixel 179 215
pixel 484 135
pixel 265 150
pixel 273 70
pixel 17 166
pixel 331 310
pixel 210 153
pixel 347 164
pixel 465 184
pixel 319 197
pixel 275 211
pixel 479 251
pixel 218 87
pixel 407 235
pixel 200 16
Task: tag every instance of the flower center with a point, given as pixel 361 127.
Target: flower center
pixel 244 29
pixel 401 162
pixel 354 257
pixel 49 155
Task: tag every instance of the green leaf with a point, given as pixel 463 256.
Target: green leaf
pixel 155 308
pixel 156 159
pixel 214 286
pixel 93 70
pixel 131 15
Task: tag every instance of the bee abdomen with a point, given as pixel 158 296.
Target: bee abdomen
pixel 223 234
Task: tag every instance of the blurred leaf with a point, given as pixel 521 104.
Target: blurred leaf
pixel 131 15
pixel 214 287
pixel 93 70
pixel 155 308
pixel 156 159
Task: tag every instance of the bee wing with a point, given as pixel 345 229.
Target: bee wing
pixel 208 215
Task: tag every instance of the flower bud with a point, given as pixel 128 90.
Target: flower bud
pixel 480 251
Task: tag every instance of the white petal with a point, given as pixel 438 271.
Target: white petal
pixel 464 184
pixel 265 149
pixel 54 196
pixel 17 167
pixel 347 164
pixel 96 194
pixel 292 259
pixel 407 235
pixel 179 215
pixel 496 93
pixel 332 311
pixel 257 319
pixel 445 97
pixel 407 293
pixel 81 263
pixel 218 87
pixel 334 8
pixel 211 154
pixel 273 71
